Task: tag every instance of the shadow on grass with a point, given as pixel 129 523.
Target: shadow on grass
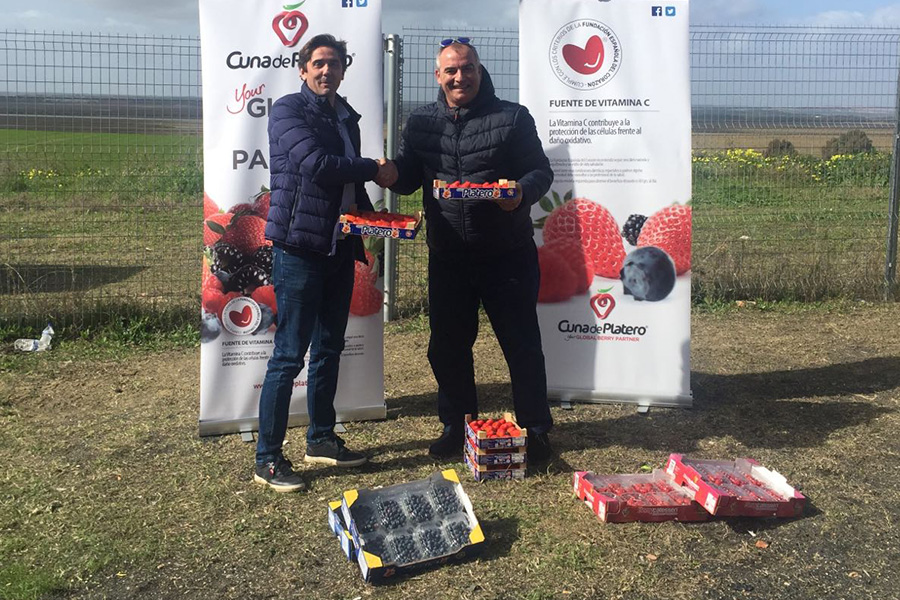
pixel 776 409
pixel 32 279
pixel 779 409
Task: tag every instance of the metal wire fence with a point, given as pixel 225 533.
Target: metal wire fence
pixel 101 170
pixel 100 177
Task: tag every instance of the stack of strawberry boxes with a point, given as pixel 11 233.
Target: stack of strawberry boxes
pixel 690 490
pixel 496 448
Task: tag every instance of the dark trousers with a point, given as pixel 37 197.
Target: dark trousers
pixel 313 293
pixel 507 287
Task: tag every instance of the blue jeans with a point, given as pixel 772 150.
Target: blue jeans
pixel 313 293
pixel 507 286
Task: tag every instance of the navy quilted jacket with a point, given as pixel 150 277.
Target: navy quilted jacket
pixel 487 140
pixel 308 171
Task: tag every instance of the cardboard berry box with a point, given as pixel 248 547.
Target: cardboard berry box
pixel 412 526
pixel 381 224
pixel 488 472
pixel 482 440
pixel 647 497
pixel 501 189
pixel 496 456
pixel 740 487
pixel 339 529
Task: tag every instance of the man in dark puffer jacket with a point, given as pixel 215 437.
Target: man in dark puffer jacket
pixel 316 174
pixel 479 250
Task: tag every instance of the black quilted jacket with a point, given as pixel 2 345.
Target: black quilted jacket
pixel 487 140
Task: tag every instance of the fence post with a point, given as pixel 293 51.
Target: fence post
pixel 393 48
pixel 890 259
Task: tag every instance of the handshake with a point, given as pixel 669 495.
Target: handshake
pixel 387 173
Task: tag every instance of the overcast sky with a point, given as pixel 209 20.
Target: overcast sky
pixel 179 17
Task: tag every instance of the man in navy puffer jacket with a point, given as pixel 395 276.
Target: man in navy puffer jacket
pixel 316 174
pixel 479 250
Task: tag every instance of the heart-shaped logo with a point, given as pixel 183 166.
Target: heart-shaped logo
pixel 243 318
pixel 290 26
pixel 587 60
pixel 602 304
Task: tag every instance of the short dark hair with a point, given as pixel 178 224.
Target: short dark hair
pixel 324 40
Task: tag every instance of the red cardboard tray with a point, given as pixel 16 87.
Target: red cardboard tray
pixel 741 487
pixel 365 223
pixel 480 440
pixel 501 189
pixel 647 497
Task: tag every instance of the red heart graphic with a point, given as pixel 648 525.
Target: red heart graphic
pixel 587 60
pixel 243 318
pixel 286 22
pixel 602 305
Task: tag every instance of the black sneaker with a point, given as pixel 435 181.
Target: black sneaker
pixel 333 452
pixel 449 445
pixel 539 448
pixel 279 476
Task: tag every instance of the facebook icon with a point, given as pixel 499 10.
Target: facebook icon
pixel 670 11
pixel 656 11
pixel 346 3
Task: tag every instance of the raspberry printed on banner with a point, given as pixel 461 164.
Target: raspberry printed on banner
pixel 209 206
pixel 367 299
pixel 670 229
pixel 572 252
pixel 558 281
pixel 246 233
pixel 648 274
pixel 632 228
pixel 212 300
pixel 594 227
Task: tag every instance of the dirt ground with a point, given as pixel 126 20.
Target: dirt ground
pixel 107 489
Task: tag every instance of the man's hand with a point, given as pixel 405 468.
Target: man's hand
pixel 387 173
pixel 509 204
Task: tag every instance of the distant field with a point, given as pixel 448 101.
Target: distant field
pixel 805 140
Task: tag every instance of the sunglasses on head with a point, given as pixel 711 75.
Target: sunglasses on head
pixel 456 40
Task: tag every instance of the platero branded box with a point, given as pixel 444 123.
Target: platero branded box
pixel 502 189
pixel 411 526
pixel 741 487
pixel 339 529
pixel 381 224
pixel 648 497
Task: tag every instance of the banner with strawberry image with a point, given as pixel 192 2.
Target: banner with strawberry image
pixel 608 84
pixel 249 55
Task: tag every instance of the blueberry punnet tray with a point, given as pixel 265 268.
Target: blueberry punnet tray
pixel 411 526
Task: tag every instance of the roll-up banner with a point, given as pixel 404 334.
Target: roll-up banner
pixel 609 86
pixel 249 56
